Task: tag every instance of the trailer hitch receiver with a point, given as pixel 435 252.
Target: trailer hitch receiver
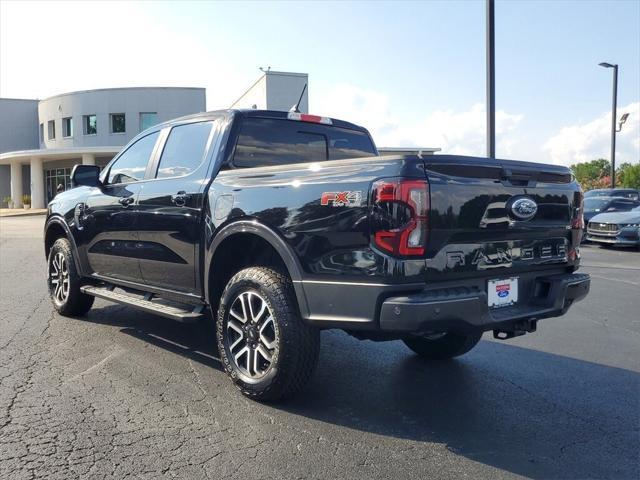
pixel 516 329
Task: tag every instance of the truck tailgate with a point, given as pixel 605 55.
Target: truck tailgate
pixel 473 230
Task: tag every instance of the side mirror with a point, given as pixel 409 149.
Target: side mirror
pixel 87 175
pixel 611 209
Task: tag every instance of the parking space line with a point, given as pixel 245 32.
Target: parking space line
pixel 615 280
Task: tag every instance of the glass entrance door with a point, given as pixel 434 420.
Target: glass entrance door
pixel 57 178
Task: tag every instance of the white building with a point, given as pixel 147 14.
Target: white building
pixel 277 91
pixel 41 141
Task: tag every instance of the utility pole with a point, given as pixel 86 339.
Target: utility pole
pixel 491 84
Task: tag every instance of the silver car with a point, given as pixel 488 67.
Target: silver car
pixel 615 228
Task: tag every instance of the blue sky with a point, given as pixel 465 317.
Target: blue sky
pixel 411 71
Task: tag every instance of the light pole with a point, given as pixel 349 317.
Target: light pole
pixel 491 82
pixel 614 114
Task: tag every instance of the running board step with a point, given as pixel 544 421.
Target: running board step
pixel 146 304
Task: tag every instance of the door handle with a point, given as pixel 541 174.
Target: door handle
pixel 180 198
pixel 125 201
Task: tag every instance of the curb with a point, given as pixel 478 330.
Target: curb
pixel 14 215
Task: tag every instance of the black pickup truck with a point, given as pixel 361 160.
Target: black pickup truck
pixel 277 225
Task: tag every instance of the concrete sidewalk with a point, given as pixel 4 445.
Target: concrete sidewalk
pixel 21 212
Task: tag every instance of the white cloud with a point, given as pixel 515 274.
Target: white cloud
pixel 586 141
pixel 357 105
pixel 455 132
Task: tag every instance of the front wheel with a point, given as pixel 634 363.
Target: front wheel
pixel 441 346
pixel 265 347
pixel 64 282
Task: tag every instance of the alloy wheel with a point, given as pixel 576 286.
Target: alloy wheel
pixel 59 277
pixel 251 334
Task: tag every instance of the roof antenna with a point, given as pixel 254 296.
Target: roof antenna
pixel 295 108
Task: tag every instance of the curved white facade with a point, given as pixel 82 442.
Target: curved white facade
pixel 165 103
pixel 64 140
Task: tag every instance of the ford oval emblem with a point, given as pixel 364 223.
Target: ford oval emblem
pixel 524 208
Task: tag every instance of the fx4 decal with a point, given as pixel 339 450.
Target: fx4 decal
pixel 342 199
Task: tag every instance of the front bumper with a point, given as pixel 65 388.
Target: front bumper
pixel 625 236
pixel 466 308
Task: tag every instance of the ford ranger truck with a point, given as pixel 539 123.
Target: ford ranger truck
pixel 277 225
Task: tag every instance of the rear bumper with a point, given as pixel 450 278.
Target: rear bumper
pixel 466 308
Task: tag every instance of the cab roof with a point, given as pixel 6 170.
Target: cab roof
pixel 252 113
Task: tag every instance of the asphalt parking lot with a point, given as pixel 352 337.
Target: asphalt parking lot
pixel 122 393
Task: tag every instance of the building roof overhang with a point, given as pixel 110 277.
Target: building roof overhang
pixel 46 154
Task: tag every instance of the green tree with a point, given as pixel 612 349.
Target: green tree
pixel 590 174
pixel 629 175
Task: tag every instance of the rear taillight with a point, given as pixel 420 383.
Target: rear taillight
pixel 577 218
pixel 399 217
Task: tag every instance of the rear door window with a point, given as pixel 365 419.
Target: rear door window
pixel 184 150
pixel 265 142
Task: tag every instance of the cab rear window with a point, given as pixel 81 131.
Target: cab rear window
pixel 266 142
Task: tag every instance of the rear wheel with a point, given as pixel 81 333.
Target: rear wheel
pixel 441 346
pixel 265 347
pixel 64 282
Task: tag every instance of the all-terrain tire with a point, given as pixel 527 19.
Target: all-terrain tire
pixel 446 346
pixel 296 345
pixel 64 282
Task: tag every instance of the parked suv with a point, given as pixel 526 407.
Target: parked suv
pixel 281 224
pixel 630 193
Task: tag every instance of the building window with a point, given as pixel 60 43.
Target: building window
pixel 90 124
pixel 148 119
pixel 51 127
pixel 42 133
pixel 57 179
pixel 117 123
pixel 67 127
